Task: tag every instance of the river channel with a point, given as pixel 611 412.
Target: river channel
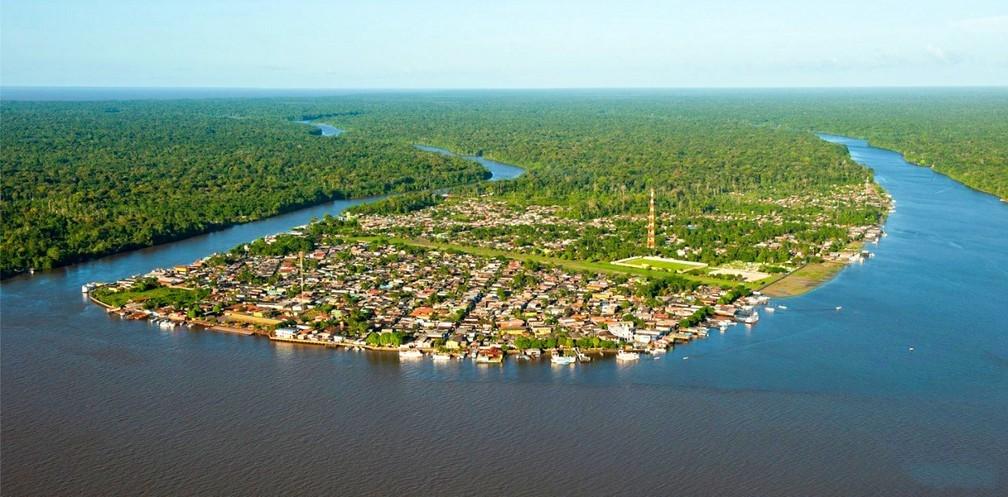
pixel 903 392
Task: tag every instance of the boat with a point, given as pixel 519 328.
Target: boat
pixel 658 351
pixel 582 357
pixel 562 360
pixel 492 355
pixel 441 357
pixel 750 318
pixel 769 309
pixel 627 356
pixel 410 354
pixel 782 307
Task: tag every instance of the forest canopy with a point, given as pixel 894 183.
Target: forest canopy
pixel 84 179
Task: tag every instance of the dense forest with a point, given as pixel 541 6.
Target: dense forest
pixel 81 179
pixel 86 179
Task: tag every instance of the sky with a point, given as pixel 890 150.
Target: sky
pixel 502 44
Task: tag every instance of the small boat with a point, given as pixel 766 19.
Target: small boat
pixel 750 318
pixel 410 354
pixel 492 355
pixel 782 307
pixel 658 351
pixel 769 309
pixel 441 357
pixel 562 360
pixel 627 356
pixel 582 357
pixel 839 307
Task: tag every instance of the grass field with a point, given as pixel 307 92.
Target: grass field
pixel 163 294
pixel 804 279
pixel 660 263
pixel 592 267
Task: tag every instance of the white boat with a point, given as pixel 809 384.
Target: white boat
pixel 441 357
pixel 627 356
pixel 658 351
pixel 769 309
pixel 582 357
pixel 410 354
pixel 750 318
pixel 782 307
pixel 562 360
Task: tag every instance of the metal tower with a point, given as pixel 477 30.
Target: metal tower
pixel 301 263
pixel 651 224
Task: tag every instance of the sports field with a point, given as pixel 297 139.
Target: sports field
pixel 663 263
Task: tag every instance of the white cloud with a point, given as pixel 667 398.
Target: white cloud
pixel 990 24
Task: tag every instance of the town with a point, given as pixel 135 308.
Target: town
pixel 416 301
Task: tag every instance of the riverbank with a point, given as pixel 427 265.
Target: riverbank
pixel 804 279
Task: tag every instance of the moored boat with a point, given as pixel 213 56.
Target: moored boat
pixel 562 360
pixel 491 355
pixel 410 354
pixel 624 355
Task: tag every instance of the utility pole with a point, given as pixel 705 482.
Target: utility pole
pixel 301 256
pixel 651 224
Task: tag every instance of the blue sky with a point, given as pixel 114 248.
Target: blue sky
pixel 502 44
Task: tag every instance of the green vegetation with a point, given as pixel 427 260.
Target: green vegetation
pixel 803 280
pixel 552 342
pixel 82 179
pixel 735 294
pixel 385 339
pixel 660 264
pixel 697 317
pixel 151 295
pixel 679 282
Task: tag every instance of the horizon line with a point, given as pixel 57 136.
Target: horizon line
pixel 494 88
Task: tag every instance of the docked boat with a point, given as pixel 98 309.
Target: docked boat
pixel 410 354
pixel 657 351
pixel 748 318
pixel 627 356
pixel 562 360
pixel 441 357
pixel 492 355
pixel 582 357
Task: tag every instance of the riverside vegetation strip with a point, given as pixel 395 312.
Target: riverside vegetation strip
pixel 85 179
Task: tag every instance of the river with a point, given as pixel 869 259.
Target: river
pixel 904 392
pixel 500 170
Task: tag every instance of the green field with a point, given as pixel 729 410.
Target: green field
pixel 588 266
pixel 803 280
pixel 162 294
pixel 662 263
